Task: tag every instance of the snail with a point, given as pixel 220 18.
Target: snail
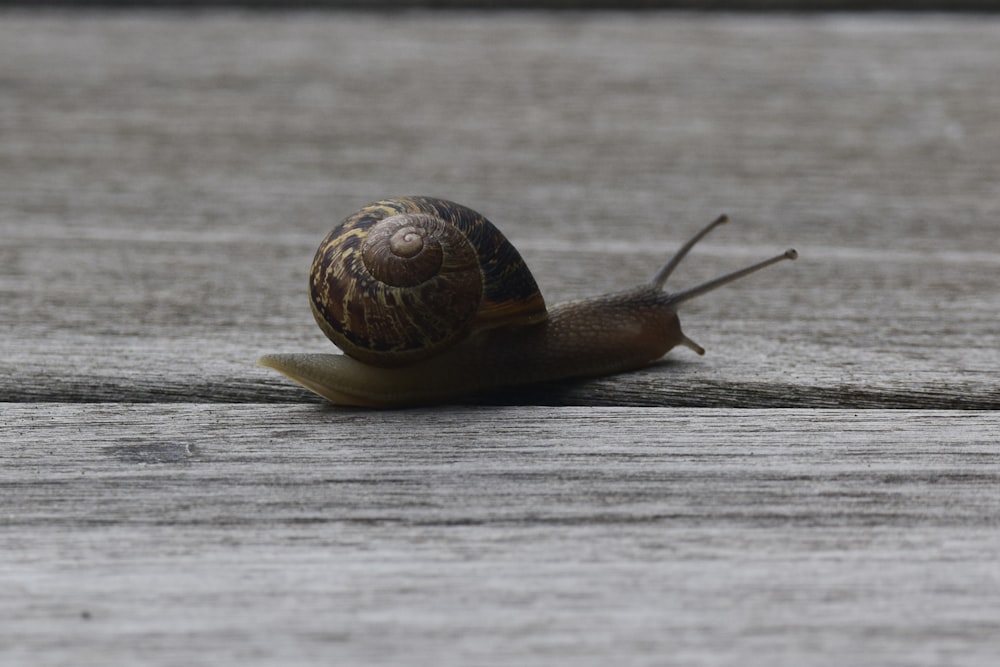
pixel 430 302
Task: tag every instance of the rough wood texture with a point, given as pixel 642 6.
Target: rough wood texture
pixel 235 534
pixel 571 5
pixel 165 178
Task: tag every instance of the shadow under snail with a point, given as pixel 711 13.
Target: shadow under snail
pixel 430 302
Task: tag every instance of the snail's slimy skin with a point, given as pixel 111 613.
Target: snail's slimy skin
pixel 600 336
pixel 501 342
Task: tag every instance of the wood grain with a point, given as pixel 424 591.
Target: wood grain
pixel 165 178
pixel 230 534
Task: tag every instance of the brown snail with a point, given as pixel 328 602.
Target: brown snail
pixel 429 302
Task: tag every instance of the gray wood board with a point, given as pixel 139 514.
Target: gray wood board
pixel 166 178
pixel 235 534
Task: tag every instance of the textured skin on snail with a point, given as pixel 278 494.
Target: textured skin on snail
pixel 633 330
pixel 472 316
pixel 406 277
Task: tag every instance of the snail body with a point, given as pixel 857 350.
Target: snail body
pixel 430 302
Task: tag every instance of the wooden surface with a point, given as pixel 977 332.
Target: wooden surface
pixel 165 178
pixel 228 534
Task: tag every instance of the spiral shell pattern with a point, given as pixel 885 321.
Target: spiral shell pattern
pixel 404 278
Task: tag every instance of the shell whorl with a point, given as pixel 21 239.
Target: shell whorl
pixel 404 278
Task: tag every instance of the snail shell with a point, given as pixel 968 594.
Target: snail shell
pixel 404 278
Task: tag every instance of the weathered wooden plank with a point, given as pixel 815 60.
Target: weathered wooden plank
pixel 165 179
pixel 235 534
